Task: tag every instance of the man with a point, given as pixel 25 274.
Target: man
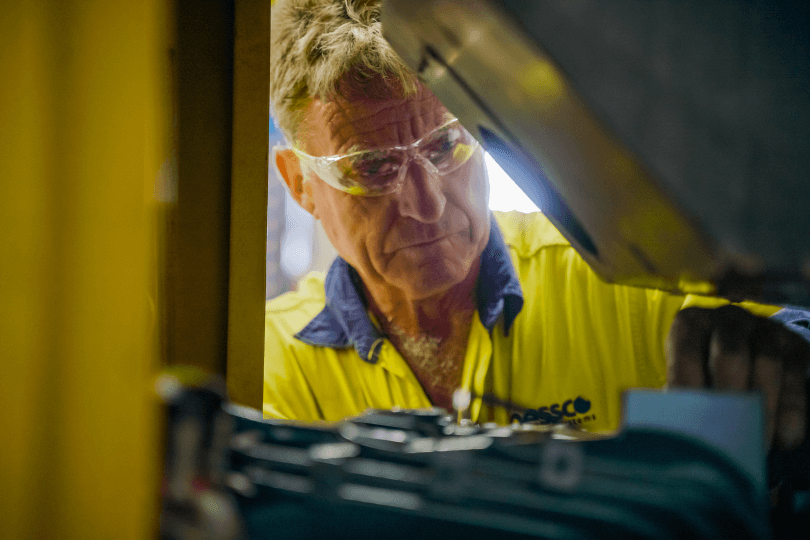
pixel 432 293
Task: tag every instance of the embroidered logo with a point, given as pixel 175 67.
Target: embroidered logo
pixel 571 411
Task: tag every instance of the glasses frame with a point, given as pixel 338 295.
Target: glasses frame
pixel 322 166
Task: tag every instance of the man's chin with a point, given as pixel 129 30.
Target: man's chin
pixel 434 280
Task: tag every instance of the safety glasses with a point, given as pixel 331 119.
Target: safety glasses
pixel 381 171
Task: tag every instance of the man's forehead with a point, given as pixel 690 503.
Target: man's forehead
pixel 363 122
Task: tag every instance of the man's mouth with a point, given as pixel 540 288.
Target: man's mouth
pixel 426 242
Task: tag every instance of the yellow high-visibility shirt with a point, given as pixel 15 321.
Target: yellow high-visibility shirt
pixel 573 347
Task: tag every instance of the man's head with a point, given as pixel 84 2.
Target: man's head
pixel 351 93
pixel 316 44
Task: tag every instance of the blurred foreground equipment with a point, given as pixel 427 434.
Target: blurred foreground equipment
pixel 196 505
pixel 403 474
pixel 406 474
pixel 417 474
pixel 669 141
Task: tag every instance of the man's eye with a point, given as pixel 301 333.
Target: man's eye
pixel 380 167
pixel 441 147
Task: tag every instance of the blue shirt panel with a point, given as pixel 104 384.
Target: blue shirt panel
pixel 796 319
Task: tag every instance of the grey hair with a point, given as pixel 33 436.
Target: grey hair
pixel 317 45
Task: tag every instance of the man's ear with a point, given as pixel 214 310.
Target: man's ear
pixel 289 167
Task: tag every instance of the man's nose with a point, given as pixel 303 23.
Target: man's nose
pixel 421 196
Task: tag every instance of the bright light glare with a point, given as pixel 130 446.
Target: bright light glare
pixel 504 194
pixel 297 241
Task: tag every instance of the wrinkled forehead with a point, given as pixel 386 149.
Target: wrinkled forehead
pixel 348 124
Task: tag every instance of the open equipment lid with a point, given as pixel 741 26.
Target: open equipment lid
pixel 668 141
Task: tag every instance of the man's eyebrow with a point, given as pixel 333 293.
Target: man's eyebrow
pixel 444 118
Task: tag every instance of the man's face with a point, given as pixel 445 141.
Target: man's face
pixel 422 239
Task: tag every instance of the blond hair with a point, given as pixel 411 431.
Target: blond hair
pixel 318 45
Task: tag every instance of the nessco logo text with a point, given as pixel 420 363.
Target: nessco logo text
pixel 557 413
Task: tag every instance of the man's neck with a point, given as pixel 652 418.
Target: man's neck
pixel 431 333
pixel 437 316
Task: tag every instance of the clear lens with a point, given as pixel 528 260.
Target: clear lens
pixel 448 148
pixel 376 167
pixel 366 173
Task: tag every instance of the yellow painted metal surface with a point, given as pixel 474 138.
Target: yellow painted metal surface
pixel 251 133
pixel 84 131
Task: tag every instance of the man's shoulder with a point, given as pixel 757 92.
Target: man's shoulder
pixel 291 311
pixel 526 234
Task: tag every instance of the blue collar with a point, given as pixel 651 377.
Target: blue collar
pixel 344 322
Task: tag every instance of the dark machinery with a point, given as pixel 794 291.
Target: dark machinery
pixel 402 474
